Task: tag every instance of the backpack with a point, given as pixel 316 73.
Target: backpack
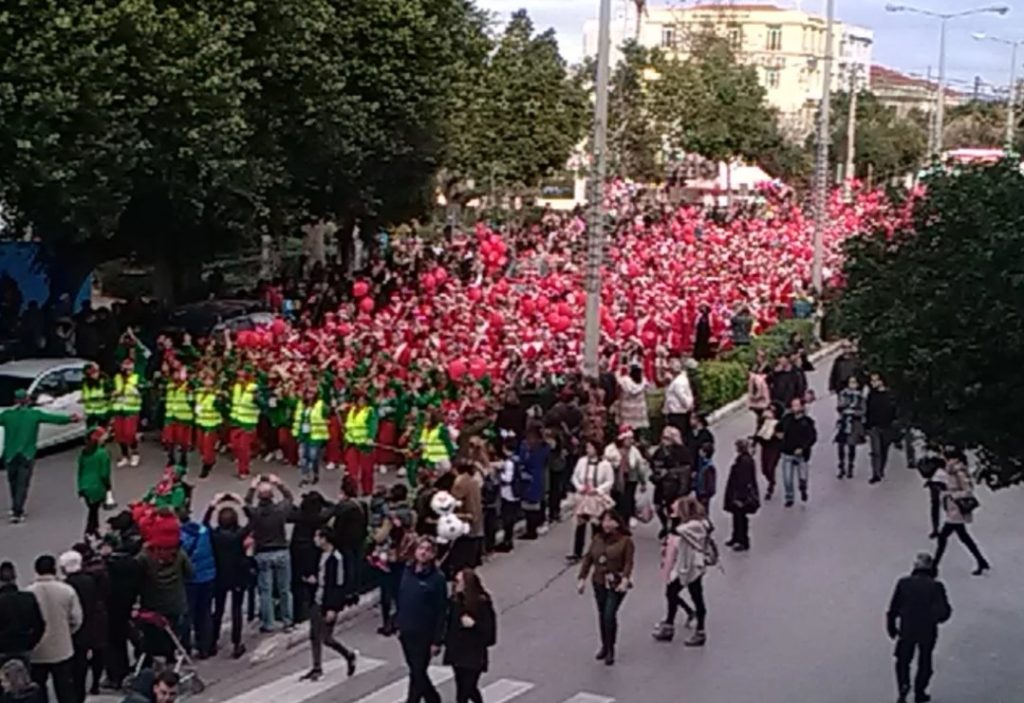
pixel 711 553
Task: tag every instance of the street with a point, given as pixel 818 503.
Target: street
pixel 800 617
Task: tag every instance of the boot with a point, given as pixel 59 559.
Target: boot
pixel 664 632
pixel 609 659
pixel 602 653
pixel 697 639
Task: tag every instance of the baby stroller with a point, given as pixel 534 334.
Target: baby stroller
pixel 158 647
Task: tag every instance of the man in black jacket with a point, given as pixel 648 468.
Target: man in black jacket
pixel 267 520
pixel 799 435
pixel 328 600
pixel 422 606
pixel 919 605
pixel 844 367
pixel 349 535
pixel 878 421
pixel 21 621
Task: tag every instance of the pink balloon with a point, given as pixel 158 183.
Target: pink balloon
pixel 279 326
pixel 360 289
pixel 440 275
pixel 366 305
pixel 456 369
pixel 474 294
pixel 627 327
pixel 564 309
pixel 477 368
pixel 429 282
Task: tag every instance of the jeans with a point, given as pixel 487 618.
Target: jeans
pixel 219 602
pixel 905 655
pixel 847 457
pixel 310 454
pixel 608 602
pixel 467 685
pixel 19 475
pixel 63 679
pixel 274 572
pixel 417 656
pixel 879 441
pixel 200 617
pixel 793 465
pixel 960 530
pixel 321 633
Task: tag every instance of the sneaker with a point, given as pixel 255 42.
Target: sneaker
pixel 351 661
pixel 16 519
pixel 789 502
pixel 874 479
pixel 543 530
pixel 122 462
pixel 135 460
pixel 331 466
pixel 664 632
pixel 312 675
pixel 269 457
pixel 698 639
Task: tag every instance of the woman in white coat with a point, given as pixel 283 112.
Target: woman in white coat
pixel 633 401
pixel 684 565
pixel 632 472
pixel 593 478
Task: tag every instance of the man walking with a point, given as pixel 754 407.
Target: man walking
pixel 422 607
pixel 328 601
pixel 799 435
pixel 919 605
pixel 21 440
pixel 21 621
pixel 62 613
pixel 878 421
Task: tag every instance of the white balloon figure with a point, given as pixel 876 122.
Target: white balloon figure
pixel 449 525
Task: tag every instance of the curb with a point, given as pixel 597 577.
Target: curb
pixel 741 402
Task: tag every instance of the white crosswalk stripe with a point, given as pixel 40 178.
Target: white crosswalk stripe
pixel 504 690
pixel 288 688
pixel 589 698
pixel 396 692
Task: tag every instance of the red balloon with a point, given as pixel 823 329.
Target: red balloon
pixel 474 294
pixel 279 326
pixel 564 309
pixel 553 319
pixel 440 275
pixel 477 368
pixel 627 326
pixel 562 323
pixel 527 306
pixel 429 282
pixel 366 305
pixel 456 369
pixel 360 289
pixel 497 320
pixel 542 303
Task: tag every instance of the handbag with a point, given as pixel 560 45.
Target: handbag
pixel 645 506
pixel 966 504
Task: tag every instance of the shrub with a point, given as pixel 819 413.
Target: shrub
pixel 719 383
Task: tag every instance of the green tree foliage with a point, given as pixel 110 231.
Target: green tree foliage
pixel 886 145
pixel 938 310
pixel 522 111
pixel 980 124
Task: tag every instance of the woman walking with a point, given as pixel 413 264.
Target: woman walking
pixel 609 563
pixel 593 480
pixel 959 503
pixel 688 571
pixel 94 480
pixel 328 600
pixel 742 498
pixel 770 439
pixel 472 630
pixel 850 426
pixel 632 472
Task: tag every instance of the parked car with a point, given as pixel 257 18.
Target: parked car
pixel 53 385
pixel 212 317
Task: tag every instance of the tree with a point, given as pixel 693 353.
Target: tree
pixel 635 141
pixel 980 124
pixel 525 113
pixel 936 308
pixel 887 145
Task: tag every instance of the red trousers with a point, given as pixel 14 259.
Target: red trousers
pixel 176 434
pixel 333 453
pixel 241 446
pixel 359 465
pixel 206 442
pixel 288 445
pixel 126 429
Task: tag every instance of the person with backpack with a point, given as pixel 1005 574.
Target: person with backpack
pixel 696 552
pixel 959 503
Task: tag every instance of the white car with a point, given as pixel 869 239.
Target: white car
pixel 54 385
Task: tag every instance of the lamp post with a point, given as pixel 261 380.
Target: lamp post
pixel 595 233
pixel 944 17
pixel 1011 101
pixel 821 161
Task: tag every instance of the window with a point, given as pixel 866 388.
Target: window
pixel 734 34
pixel 73 379
pixel 771 77
pixel 668 37
pixel 52 384
pixel 774 38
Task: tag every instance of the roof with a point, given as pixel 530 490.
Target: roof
pixel 748 7
pixel 30 368
pixel 881 75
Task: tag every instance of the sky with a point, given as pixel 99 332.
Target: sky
pixel 905 41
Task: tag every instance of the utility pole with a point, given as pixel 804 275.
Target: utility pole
pixel 1011 102
pixel 821 162
pixel 596 233
pixel 851 134
pixel 940 104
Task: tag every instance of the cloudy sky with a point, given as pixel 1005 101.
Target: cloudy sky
pixel 905 41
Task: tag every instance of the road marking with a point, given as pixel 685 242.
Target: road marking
pixel 589 698
pixel 504 690
pixel 398 691
pixel 288 688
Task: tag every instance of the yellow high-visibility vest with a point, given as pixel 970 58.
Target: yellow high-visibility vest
pixel 95 400
pixel 176 404
pixel 244 411
pixel 434 449
pixel 317 429
pixel 207 414
pixel 127 398
pixel 357 427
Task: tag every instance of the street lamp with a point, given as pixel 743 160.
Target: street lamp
pixel 1011 118
pixel 944 17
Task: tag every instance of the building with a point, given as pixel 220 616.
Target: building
pixel 786 45
pixel 907 94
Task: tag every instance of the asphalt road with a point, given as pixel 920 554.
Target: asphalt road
pixel 798 618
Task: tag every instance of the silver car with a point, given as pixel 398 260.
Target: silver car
pixel 54 385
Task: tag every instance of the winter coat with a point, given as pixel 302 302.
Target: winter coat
pixel 691 563
pixel 798 433
pixel 671 472
pixel 21 621
pixel 229 555
pixel 678 395
pixel 706 481
pixel 466 647
pixel 759 396
pixel 197 545
pixel 846 366
pixel 534 464
pixel 633 404
pixel 162 578
pixel 881 410
pixel 636 470
pixel 741 491
pixel 850 425
pixel 94 475
pixel 959 484
pixel 593 482
pixel 123 575
pixel 350 524
pixel 919 605
pixel 329 592
pixel 422 604
pixel 62 613
pixel 786 385
pixel 92 633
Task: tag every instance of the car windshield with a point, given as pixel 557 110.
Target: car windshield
pixel 8 386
